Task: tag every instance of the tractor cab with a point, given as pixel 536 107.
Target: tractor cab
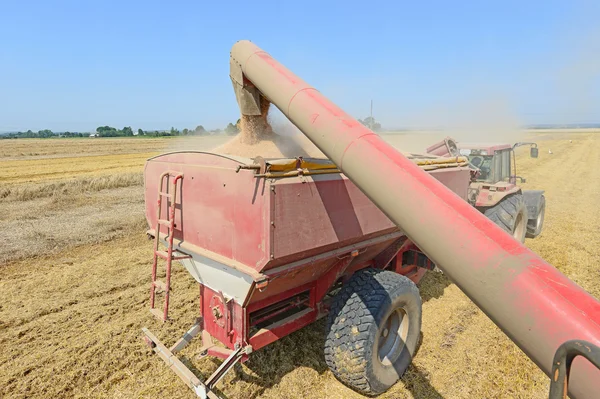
pixel 489 163
pixel 493 187
pixel 494 163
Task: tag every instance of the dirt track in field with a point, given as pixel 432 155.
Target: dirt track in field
pixel 70 321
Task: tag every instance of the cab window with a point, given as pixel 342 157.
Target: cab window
pixel 484 163
pixel 503 167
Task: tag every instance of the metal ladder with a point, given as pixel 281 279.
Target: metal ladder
pixel 169 223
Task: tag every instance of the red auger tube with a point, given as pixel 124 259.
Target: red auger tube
pixel 532 302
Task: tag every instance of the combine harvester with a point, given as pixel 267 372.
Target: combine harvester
pixel 276 244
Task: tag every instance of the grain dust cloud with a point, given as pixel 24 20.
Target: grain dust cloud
pixel 257 137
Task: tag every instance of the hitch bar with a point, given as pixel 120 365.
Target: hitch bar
pixel 202 389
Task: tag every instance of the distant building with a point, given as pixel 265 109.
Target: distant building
pixel 94 135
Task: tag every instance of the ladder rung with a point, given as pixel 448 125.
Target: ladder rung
pixel 171 173
pixel 165 255
pixel 170 254
pixel 158 313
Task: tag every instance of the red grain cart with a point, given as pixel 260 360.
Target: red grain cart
pixel 271 247
pixel 277 244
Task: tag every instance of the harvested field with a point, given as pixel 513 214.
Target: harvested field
pixel 61 148
pixel 75 272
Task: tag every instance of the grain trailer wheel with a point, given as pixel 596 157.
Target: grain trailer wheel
pixel 534 226
pixel 373 330
pixel 511 215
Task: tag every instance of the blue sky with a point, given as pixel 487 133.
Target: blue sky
pixel 75 65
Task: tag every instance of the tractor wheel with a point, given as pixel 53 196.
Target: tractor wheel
pixel 534 226
pixel 373 330
pixel 511 215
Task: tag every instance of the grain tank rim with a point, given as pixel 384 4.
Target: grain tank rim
pixel 279 164
pixel 241 160
pixel 425 161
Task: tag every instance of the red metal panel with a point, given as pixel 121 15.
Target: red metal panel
pixel 322 211
pixel 413 272
pixel 486 197
pixel 221 319
pixel 274 298
pixel 223 211
pixel 298 277
pixel 264 337
pixel 290 276
pixel 455 179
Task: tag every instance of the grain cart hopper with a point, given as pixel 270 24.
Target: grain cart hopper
pixel 275 244
pixel 493 188
pixel 270 241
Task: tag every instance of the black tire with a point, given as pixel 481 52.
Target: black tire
pixel 534 226
pixel 511 215
pixel 363 316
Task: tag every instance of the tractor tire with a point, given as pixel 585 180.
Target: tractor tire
pixel 373 330
pixel 534 226
pixel 511 215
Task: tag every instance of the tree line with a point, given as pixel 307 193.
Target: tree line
pixel 46 133
pixel 371 123
pixel 109 131
pixel 127 131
